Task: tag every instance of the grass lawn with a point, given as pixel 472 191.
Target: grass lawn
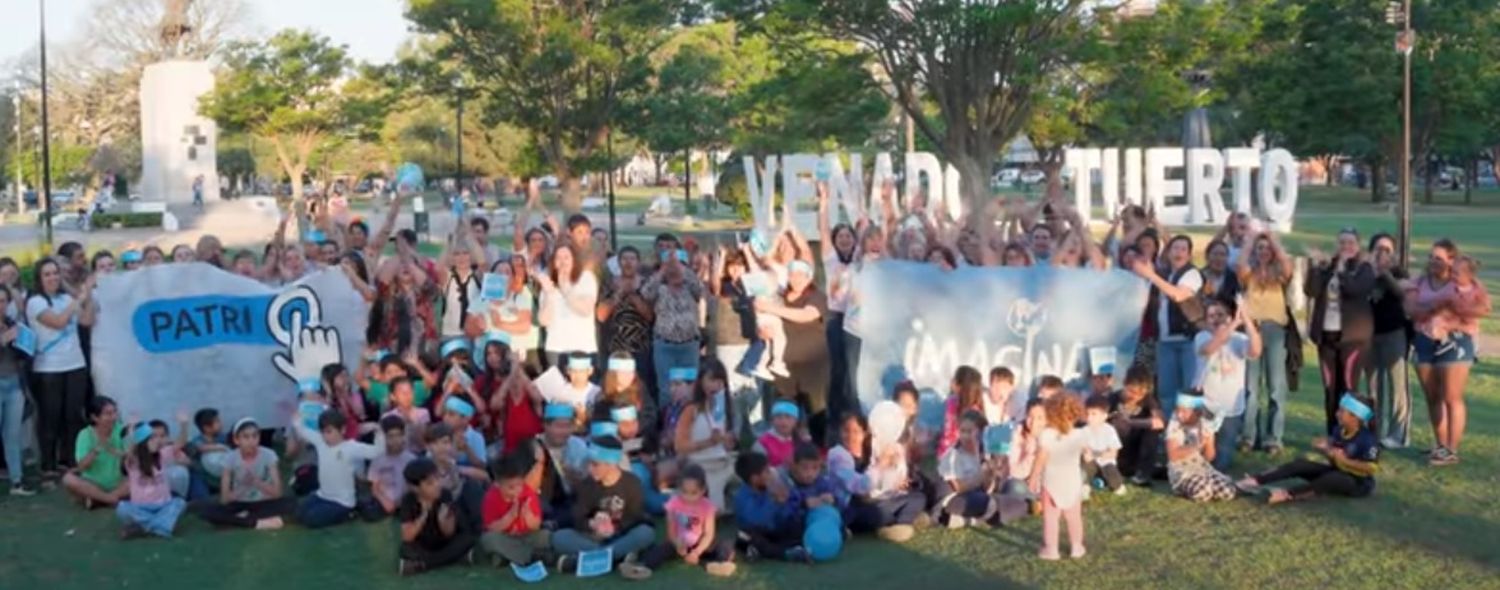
pixel 1424 528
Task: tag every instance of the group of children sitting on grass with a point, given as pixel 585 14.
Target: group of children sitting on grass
pixel 516 480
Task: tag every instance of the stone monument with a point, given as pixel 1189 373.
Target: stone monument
pixel 177 144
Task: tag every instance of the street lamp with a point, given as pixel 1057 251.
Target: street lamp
pixel 458 87
pixel 46 131
pixel 1399 13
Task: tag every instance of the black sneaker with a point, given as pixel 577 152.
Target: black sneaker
pixel 472 557
pixel 406 567
pixel 799 554
pixel 566 563
pixel 752 554
pixel 22 490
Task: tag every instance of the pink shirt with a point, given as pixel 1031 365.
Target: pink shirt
pixel 690 518
pixel 1449 308
pixel 156 489
pixel 778 449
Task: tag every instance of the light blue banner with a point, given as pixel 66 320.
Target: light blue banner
pixel 918 322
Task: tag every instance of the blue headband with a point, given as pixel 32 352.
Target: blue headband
pixel 315 235
pixel 682 256
pixel 759 243
pixel 310 412
pixel 580 363
pixel 141 433
pixel 310 384
pixel 785 408
pixel 130 256
pixel 1105 370
pixel 624 414
pixel 493 336
pixel 603 429
pixel 558 412
pixel 459 406
pixel 602 454
pixel 376 356
pixel 622 365
pixel 1351 404
pixel 452 346
pixel 684 374
pixel 800 266
pixel 1191 402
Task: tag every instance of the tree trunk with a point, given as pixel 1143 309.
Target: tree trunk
pixel 974 182
pixel 1377 182
pixel 687 180
pixel 1327 162
pixel 1052 161
pixel 572 191
pixel 1471 170
pixel 1495 163
pixel 1427 181
pixel 660 162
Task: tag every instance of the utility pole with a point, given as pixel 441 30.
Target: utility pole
pixel 46 132
pixel 1406 41
pixel 609 185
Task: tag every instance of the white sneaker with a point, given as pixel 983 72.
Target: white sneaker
pixel 957 522
pixel 1122 491
pixel 778 369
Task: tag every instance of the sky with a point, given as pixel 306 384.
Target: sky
pixel 372 29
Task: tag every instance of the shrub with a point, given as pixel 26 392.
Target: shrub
pixel 105 220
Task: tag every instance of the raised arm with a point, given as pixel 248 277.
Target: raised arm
pixel 825 235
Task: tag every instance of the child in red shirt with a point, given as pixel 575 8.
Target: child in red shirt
pixel 512 515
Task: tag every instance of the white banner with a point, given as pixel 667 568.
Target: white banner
pixel 181 337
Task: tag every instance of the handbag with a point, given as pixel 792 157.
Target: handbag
pixel 1294 358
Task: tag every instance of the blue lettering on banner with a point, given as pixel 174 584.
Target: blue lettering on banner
pixel 174 325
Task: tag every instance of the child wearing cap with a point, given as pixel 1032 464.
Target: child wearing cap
pixel 250 492
pixel 1353 453
pixel 623 389
pixel 778 442
pixel 457 373
pixel 609 512
pixel 561 459
pixel 150 509
pixel 581 392
pixel 1191 450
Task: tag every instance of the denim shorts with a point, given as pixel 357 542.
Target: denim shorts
pixel 1457 349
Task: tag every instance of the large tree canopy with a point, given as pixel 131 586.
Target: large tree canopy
pixel 558 70
pixel 300 92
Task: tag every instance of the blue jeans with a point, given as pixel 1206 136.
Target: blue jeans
pixel 666 356
pixel 637 539
pixel 316 512
pixel 157 519
pixel 1225 440
pixel 1267 373
pixel 751 359
pixel 1176 369
pixel 749 404
pixel 12 406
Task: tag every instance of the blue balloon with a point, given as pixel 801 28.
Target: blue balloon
pixel 824 536
pixel 409 175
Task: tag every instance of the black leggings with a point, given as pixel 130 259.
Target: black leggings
pixel 60 400
pixel 1138 453
pixel 1339 364
pixel 664 551
pixel 1321 478
pixel 246 514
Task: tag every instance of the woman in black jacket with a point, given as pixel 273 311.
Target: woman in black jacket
pixel 1343 322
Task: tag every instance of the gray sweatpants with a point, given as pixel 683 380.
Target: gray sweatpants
pixel 1385 368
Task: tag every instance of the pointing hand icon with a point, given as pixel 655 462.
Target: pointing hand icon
pixel 311 348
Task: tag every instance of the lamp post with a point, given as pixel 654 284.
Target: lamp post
pixel 46 132
pixel 609 186
pixel 1406 40
pixel 459 137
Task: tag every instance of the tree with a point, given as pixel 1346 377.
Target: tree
pixel 296 91
pixel 1454 64
pixel 688 107
pixel 977 61
pixel 560 71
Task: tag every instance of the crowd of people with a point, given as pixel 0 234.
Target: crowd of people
pixel 694 381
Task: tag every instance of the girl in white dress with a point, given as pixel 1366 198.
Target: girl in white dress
pixel 1057 476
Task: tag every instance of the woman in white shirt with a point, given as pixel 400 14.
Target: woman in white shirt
pixel 568 298
pixel 62 377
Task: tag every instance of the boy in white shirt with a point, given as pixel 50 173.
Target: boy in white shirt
pixel 338 462
pixel 1223 355
pixel 1101 446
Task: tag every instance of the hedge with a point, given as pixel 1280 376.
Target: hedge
pixel 104 220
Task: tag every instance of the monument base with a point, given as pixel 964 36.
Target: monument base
pixel 178 145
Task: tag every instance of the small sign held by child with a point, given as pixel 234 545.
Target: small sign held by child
pixel 530 574
pixel 495 287
pixel 25 340
pixel 595 563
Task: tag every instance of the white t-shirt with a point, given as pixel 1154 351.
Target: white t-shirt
pixel 570 330
pixel 452 325
pixel 57 351
pixel 1192 280
pixel 1101 438
pixel 523 301
pixel 1222 374
pixel 958 465
pixel 840 280
pixel 338 465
